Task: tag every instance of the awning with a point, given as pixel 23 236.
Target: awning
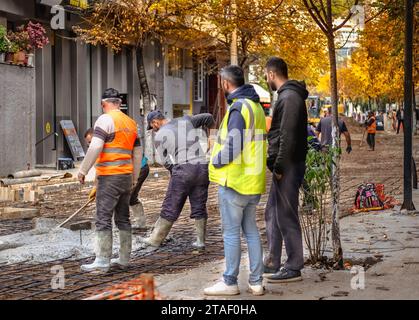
pixel 264 96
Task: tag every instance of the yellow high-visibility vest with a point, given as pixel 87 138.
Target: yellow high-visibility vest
pixel 247 173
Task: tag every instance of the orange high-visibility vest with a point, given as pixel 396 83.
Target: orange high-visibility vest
pixel 116 156
pixel 373 127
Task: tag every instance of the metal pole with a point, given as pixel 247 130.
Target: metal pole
pixel 408 99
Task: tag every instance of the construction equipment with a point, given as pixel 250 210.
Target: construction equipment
pixel 76 213
pixel 314 105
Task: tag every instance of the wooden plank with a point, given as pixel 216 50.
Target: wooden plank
pixel 18 213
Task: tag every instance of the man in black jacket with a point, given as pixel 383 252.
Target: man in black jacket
pixel 286 160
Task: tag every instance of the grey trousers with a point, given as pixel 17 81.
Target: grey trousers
pixel 112 197
pixel 282 221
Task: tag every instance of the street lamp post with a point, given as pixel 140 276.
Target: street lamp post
pixel 408 99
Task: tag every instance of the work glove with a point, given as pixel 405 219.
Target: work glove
pixel 92 194
pixel 348 149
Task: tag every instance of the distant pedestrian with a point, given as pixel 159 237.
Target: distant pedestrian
pixel 371 125
pixel 400 119
pixel 324 129
pixel 286 160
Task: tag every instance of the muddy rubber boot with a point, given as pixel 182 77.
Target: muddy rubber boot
pixel 103 254
pixel 200 229
pixel 160 232
pixel 125 247
pixel 138 216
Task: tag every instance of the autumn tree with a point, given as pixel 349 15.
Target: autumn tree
pixel 119 23
pixel 325 13
pixel 375 71
pixel 240 27
pixel 295 38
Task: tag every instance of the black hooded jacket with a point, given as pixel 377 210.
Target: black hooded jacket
pixel 288 135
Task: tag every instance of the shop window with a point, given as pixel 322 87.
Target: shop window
pixel 175 61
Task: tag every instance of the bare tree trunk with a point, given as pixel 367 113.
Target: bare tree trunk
pixel 234 57
pixel 337 247
pixel 146 102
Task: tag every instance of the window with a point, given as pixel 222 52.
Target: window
pixel 175 62
pixel 198 80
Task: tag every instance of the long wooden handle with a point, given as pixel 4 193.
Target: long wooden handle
pixel 363 137
pixel 75 213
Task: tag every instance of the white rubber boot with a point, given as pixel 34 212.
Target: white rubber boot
pixel 103 254
pixel 160 232
pixel 201 230
pixel 138 216
pixel 125 247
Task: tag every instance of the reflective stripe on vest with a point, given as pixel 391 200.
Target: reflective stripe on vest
pixel 113 163
pixel 116 150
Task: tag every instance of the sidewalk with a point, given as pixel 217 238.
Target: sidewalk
pixel 386 235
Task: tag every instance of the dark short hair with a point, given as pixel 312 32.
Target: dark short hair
pixel 278 66
pixel 112 95
pixel 88 132
pixel 233 74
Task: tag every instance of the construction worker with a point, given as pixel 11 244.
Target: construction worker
pixel 116 149
pixel 137 209
pixel 324 130
pixel 371 127
pixel 238 166
pixel 177 144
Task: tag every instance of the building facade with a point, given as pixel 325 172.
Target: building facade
pixel 70 76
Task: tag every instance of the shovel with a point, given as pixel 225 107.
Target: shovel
pixel 75 213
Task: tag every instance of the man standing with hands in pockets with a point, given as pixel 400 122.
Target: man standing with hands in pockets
pixel 287 152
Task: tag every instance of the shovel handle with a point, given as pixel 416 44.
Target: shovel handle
pixel 75 213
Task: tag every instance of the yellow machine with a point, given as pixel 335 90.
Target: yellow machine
pixel 314 107
pixel 341 107
pixel 317 108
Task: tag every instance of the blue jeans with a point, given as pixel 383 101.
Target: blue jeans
pixel 238 212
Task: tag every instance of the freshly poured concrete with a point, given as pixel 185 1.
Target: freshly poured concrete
pixel 46 243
